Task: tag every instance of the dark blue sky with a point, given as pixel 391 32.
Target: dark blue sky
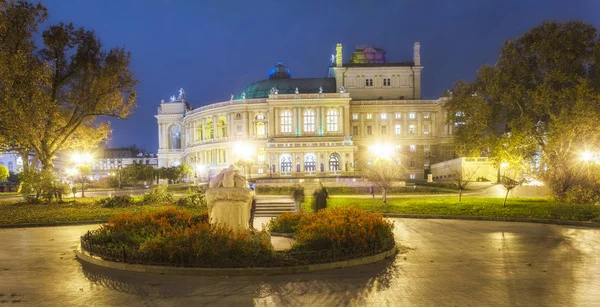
pixel 215 48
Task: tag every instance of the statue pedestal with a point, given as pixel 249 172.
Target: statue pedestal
pixel 230 207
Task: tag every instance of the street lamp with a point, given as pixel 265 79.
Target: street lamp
pixel 82 160
pixel 245 153
pixel 587 156
pixel 194 160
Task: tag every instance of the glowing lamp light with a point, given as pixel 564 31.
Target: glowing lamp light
pixel 82 158
pixel 243 150
pixel 587 156
pixel 382 150
pixel 72 171
pixel 503 165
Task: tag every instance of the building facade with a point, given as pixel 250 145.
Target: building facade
pixel 303 127
pixel 108 160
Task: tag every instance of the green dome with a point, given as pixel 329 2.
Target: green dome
pixel 261 89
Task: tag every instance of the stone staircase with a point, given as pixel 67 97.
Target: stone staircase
pixel 273 206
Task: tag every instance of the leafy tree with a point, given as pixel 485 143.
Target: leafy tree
pixel 52 96
pixel 4 173
pixel 538 106
pixel 135 173
pixel 383 172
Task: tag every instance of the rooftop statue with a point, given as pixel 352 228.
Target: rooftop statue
pixel 342 89
pixel 244 95
pixel 297 92
pixel 181 94
pixel 231 97
pixel 172 98
pixel 320 90
pixel 332 59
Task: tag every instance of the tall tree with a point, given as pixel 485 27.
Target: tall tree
pixel 383 172
pixel 521 110
pixel 54 98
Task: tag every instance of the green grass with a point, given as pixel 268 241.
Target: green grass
pixel 69 211
pixel 534 208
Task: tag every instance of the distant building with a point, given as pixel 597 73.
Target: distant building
pixel 109 159
pixel 13 161
pixel 313 127
pixel 475 168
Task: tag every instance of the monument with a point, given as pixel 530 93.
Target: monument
pixel 230 200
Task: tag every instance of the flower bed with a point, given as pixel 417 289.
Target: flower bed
pixel 176 237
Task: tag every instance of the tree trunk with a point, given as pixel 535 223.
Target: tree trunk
pixel 505 197
pixel 460 195
pixel 384 196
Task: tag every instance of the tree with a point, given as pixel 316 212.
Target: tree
pixel 538 106
pixel 134 173
pixel 52 96
pixel 383 172
pixel 462 179
pixel 4 173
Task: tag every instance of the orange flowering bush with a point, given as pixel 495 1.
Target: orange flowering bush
pixel 287 222
pixel 178 237
pixel 343 228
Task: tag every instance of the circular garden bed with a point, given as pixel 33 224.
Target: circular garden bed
pixel 177 238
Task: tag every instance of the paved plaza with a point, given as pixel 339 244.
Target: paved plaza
pixel 446 263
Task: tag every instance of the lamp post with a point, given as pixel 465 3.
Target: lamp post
pixel 195 162
pixel 120 166
pixel 82 160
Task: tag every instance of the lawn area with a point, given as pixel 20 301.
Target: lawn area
pixel 70 211
pixel 535 208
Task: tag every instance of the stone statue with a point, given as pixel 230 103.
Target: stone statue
pixel 347 138
pixel 272 92
pixel 332 59
pixel 172 98
pixel 229 199
pixel 231 96
pixel 320 90
pixel 181 94
pixel 162 101
pixel 342 89
pixel 276 91
pixel 244 95
pixel 297 92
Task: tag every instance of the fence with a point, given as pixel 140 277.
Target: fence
pixel 275 259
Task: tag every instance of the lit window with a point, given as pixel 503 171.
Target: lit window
pixel 355 130
pixel 426 115
pixel 383 130
pixel 387 82
pixel 260 129
pixel 309 121
pixel 397 129
pixel 412 176
pixel 368 82
pixel 260 170
pixel 334 162
pixel 412 115
pixel 354 116
pixel 286 164
pixel 413 148
pixel 383 116
pixel 425 129
pixel 411 129
pixel 397 115
pixel 369 130
pixel 260 116
pixel 369 116
pixel 286 121
pixel 460 113
pixel 332 120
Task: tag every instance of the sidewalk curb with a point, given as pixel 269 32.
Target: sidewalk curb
pixel 195 271
pixel 494 219
pixel 72 223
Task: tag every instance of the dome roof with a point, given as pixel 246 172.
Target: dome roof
pixel 261 89
pixel 279 71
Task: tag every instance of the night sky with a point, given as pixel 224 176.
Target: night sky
pixel 213 49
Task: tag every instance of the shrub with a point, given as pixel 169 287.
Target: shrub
pixel 194 200
pixel 39 186
pixel 287 222
pixel 582 195
pixel 158 195
pixel 343 228
pixel 120 201
pixel 177 237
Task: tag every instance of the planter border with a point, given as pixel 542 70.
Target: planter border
pixel 85 257
pixel 494 219
pixel 52 224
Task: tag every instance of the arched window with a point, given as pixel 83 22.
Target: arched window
pixel 199 132
pixel 310 163
pixel 260 116
pixel 334 162
pixel 175 137
pixel 286 121
pixel 208 130
pixel 286 164
pixel 222 126
pixel 260 129
pixel 309 121
pixel 332 120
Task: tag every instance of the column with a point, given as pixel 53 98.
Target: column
pixel 271 122
pixel 362 127
pixel 419 127
pixel 160 136
pixel 215 127
pixel 277 127
pixel 433 125
pixel 347 126
pixel 341 127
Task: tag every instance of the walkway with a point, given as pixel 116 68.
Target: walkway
pixel 451 263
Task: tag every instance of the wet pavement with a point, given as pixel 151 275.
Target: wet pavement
pixel 449 263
